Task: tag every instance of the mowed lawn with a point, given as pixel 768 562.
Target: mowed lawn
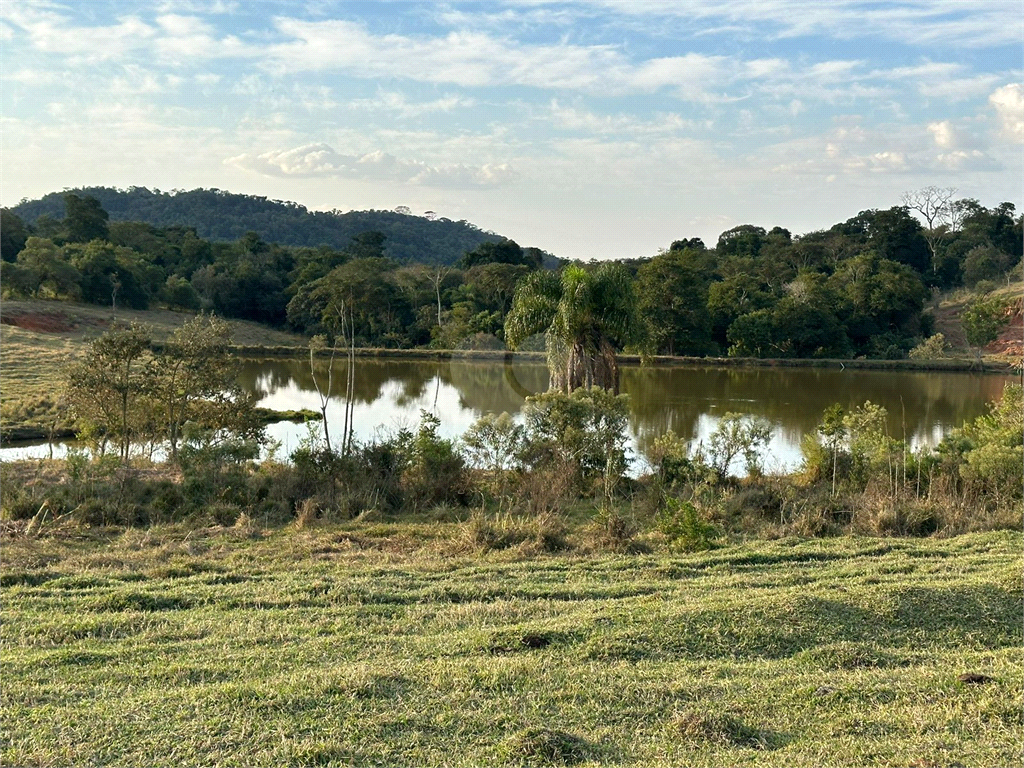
pixel 394 644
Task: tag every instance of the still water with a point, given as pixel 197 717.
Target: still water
pixel 389 395
pixel 922 406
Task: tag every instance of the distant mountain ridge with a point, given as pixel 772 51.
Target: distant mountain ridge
pixel 226 216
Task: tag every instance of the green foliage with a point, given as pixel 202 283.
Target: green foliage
pixel 436 472
pixel 13 235
pixel 738 435
pixel 684 528
pixel 582 434
pixel 994 447
pixel 671 460
pixel 108 388
pixel 223 216
pixel 932 348
pixel 672 290
pixel 584 315
pixel 84 219
pixel 983 319
pixel 494 442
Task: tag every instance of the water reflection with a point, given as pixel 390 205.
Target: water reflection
pixel 922 406
pixel 389 395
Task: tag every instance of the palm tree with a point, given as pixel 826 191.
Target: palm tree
pixel 583 313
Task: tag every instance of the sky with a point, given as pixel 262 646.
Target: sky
pixel 602 129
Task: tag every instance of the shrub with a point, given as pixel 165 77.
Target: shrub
pixel 584 430
pixel 738 435
pixel 682 525
pixel 932 348
pixel 436 472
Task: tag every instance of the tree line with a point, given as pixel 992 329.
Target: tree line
pixel 225 217
pixel 857 289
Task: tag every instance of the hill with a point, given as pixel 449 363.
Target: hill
pixel 225 216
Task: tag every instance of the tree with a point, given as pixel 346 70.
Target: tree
pixel 194 380
pixel 84 219
pixel 583 433
pixel 982 320
pixel 833 429
pixel 107 387
pixel 12 235
pixel 584 314
pixel 46 270
pixel 941 213
pixel 672 291
pixel 504 252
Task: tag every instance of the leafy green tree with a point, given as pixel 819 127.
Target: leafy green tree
pixel 503 252
pixel 753 335
pixel 84 219
pixel 178 292
pixel 833 429
pixel 46 270
pixel 984 262
pixel 744 240
pixel 13 235
pixel 107 388
pixel 738 435
pixel 732 298
pixel 982 320
pixel 672 289
pixel 194 380
pixel 113 275
pixel 584 314
pixel 583 433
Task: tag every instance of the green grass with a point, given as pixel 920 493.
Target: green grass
pixel 390 644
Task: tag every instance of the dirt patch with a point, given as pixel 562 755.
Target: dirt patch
pixel 1011 340
pixel 46 321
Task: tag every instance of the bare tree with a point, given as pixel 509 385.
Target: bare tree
pixel 436 280
pixel 941 213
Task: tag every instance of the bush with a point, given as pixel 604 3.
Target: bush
pixel 584 431
pixel 932 348
pixel 436 472
pixel 682 525
pixel 738 435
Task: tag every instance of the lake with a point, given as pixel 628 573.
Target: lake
pixel 389 394
pixel 922 406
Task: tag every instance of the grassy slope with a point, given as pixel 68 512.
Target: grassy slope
pixel 32 361
pixel 384 645
pixel 947 317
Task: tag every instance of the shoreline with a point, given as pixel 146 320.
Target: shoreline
pixel 965 365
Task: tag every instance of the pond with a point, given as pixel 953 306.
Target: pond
pixel 389 395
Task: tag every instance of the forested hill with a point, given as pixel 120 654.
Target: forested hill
pixel 223 216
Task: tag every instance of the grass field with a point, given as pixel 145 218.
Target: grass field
pixel 399 644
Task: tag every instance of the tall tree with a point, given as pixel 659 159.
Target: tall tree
pixel 84 219
pixel 584 315
pixel 12 235
pixel 672 290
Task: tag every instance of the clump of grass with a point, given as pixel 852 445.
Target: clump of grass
pixel 545 746
pixel 718 728
pixel 543 533
pixel 845 655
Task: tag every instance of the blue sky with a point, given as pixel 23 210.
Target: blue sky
pixel 593 130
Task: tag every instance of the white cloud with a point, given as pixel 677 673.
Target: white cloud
pixel 392 101
pixel 944 134
pixel 321 160
pixel 577 119
pixel 1008 102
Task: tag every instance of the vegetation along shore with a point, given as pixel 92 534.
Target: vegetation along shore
pixel 179 589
